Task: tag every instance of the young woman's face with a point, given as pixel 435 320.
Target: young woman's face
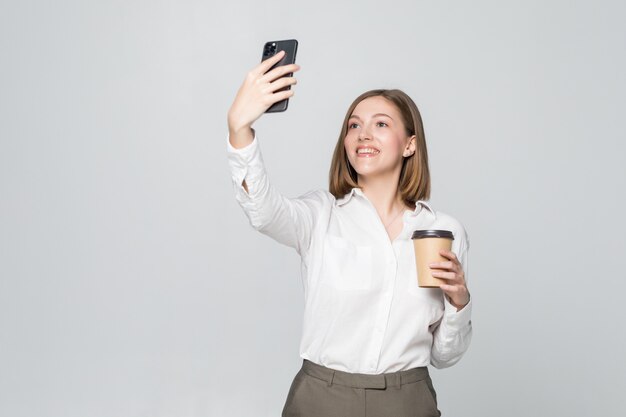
pixel 376 141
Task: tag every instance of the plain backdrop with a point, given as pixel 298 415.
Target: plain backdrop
pixel 131 283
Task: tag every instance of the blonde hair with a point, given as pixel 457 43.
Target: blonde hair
pixel 414 181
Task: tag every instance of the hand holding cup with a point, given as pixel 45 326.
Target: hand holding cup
pixel 438 267
pixel 452 271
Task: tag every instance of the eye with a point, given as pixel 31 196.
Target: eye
pixel 352 125
pixel 381 124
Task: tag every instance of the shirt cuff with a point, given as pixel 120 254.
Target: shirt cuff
pixel 457 319
pixel 245 152
pixel 244 161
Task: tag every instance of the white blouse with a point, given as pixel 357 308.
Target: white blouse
pixel 363 310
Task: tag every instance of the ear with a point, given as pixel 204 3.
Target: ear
pixel 410 147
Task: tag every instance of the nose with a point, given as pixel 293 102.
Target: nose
pixel 364 134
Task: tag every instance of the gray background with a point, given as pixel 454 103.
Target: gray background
pixel 131 283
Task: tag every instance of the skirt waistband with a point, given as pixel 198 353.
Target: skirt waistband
pixel 379 381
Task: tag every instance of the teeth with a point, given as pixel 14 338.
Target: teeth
pixel 367 150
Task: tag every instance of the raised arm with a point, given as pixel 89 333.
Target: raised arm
pixel 287 220
pixel 257 93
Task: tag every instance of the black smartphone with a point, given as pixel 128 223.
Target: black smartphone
pixel 270 49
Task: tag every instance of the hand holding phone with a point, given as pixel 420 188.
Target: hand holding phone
pixel 265 85
pixel 270 49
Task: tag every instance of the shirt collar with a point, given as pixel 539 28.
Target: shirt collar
pixel 343 200
pixel 346 198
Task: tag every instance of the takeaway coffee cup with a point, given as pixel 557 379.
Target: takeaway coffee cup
pixel 427 244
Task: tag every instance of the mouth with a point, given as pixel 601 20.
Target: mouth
pixel 367 152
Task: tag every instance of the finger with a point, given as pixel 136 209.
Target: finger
pixel 281 95
pixel 442 265
pixel 455 291
pixel 444 275
pixel 447 288
pixel 454 277
pixel 264 66
pixel 281 83
pixel 448 254
pixel 279 72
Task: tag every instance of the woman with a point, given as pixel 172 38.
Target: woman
pixel 369 331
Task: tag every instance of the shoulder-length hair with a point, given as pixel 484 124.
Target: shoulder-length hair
pixel 414 182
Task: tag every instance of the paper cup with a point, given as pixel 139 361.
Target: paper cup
pixel 427 244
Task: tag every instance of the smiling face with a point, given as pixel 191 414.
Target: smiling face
pixel 377 141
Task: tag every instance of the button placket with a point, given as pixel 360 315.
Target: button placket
pixel 390 269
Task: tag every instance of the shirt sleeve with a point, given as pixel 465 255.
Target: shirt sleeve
pixel 453 333
pixel 289 221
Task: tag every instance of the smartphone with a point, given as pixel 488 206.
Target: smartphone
pixel 270 49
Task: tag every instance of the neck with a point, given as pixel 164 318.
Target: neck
pixel 383 194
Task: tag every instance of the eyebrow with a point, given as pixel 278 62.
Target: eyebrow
pixel 377 114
